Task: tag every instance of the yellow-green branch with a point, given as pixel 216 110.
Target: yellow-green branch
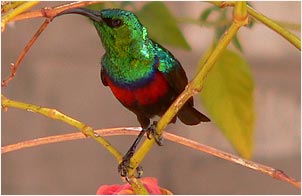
pixel 8 5
pixel 275 173
pixel 86 130
pixel 54 114
pixel 293 39
pixel 193 87
pixel 50 12
pixel 276 27
pixel 18 10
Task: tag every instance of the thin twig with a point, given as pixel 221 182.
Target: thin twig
pixel 293 39
pixel 68 137
pixel 86 130
pixel 14 66
pixel 49 12
pixel 15 12
pixel 275 173
pixel 9 5
pixel 56 115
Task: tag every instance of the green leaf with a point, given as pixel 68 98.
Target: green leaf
pixel 228 98
pixel 237 43
pixel 206 13
pixel 220 30
pixel 161 25
pixel 251 23
pixel 251 20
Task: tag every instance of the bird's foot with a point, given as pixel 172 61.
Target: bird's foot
pixel 124 166
pixel 151 130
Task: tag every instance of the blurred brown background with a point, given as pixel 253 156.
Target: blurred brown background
pixel 62 71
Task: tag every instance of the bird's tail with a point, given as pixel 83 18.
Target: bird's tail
pixel 191 116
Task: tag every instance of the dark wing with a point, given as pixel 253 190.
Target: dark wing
pixel 177 79
pixel 172 69
pixel 187 114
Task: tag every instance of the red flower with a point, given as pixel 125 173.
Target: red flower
pixel 149 183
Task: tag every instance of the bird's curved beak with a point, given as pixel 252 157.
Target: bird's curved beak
pixel 92 14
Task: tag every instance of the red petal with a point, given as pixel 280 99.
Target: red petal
pixel 114 189
pixel 150 183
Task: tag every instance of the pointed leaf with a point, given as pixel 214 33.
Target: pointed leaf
pixel 228 97
pixel 237 43
pixel 161 25
pixel 206 13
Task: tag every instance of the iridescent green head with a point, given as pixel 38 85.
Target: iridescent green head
pixel 119 30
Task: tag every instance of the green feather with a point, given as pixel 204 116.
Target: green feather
pixel 130 53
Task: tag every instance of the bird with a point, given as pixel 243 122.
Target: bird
pixel 144 76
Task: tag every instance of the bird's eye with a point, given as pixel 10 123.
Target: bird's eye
pixel 113 23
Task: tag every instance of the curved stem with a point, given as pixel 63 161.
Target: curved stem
pixel 8 5
pixel 276 27
pixel 15 12
pixel 275 173
pixel 51 12
pixel 68 137
pixel 54 114
pixel 293 39
pixel 47 12
pixel 86 130
pixel 15 66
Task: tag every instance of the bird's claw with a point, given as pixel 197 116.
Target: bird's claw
pixel 125 165
pixel 151 130
pixel 123 170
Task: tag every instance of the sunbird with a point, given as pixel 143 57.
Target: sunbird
pixel 144 76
